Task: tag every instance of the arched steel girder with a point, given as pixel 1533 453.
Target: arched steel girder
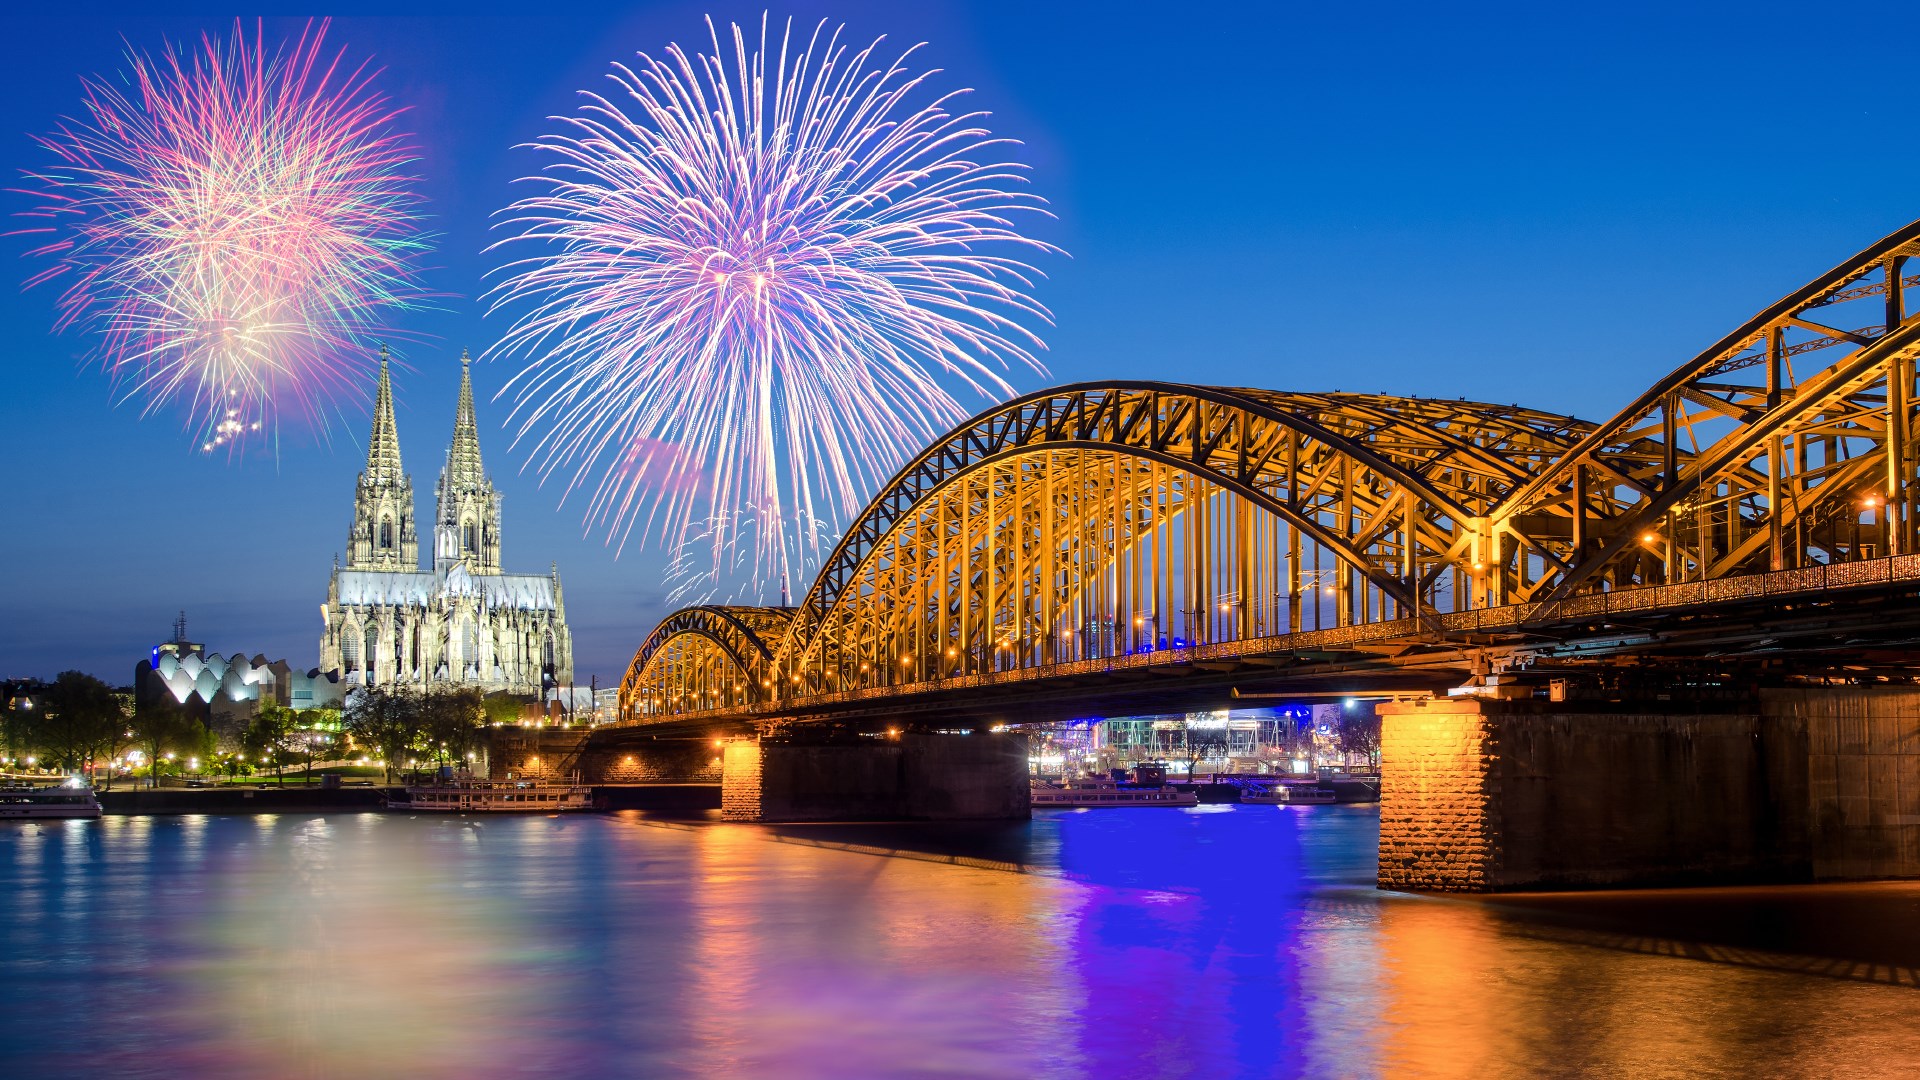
pixel 742 634
pixel 1859 371
pixel 1250 442
pixel 1637 451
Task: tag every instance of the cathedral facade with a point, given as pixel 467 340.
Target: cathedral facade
pixel 388 621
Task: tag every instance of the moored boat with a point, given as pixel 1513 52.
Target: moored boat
pixel 1106 793
pixel 465 795
pixel 69 800
pixel 1289 795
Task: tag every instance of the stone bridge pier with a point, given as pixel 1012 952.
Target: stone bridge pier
pixel 800 777
pixel 1481 795
pixel 906 777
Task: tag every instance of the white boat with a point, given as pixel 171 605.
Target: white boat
pixel 1105 793
pixel 469 796
pixel 69 800
pixel 1290 795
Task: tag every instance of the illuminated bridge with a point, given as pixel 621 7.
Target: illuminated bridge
pixel 1101 547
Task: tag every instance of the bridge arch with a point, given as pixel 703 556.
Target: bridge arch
pixel 987 550
pixel 701 658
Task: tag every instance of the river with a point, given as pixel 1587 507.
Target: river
pixel 1217 942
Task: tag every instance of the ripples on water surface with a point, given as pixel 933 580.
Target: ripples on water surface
pixel 1244 941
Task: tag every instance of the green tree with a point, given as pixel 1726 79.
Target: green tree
pixel 314 732
pixel 271 735
pixel 450 722
pixel 162 727
pixel 386 720
pixel 504 709
pixel 81 717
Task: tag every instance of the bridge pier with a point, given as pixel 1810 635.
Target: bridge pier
pixel 910 777
pixel 1482 795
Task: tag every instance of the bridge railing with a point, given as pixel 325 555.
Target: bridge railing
pixel 1802 581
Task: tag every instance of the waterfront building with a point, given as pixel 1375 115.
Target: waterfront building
pixel 225 692
pixel 387 620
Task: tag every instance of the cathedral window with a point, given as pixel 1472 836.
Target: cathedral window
pixel 350 650
pixel 472 547
pixel 386 532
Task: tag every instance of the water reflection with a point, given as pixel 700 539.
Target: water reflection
pixel 1226 942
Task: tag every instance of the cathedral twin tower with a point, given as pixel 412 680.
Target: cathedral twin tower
pixel 388 621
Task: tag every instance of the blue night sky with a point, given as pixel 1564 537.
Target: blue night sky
pixel 1547 204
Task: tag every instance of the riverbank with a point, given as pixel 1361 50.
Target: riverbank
pixel 665 798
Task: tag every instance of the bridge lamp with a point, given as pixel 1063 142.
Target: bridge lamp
pixel 718 744
pixel 1649 538
pixel 1329 590
pixel 1871 501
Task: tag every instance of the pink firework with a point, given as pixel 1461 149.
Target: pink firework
pixel 765 263
pixel 229 228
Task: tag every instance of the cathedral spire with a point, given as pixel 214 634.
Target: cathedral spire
pixel 464 470
pixel 382 534
pixel 383 443
pixel 468 528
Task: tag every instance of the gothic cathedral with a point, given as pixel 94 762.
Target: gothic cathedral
pixel 388 621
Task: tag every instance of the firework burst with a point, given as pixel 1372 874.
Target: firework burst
pixel 747 280
pixel 228 225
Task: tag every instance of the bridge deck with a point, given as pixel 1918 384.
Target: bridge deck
pixel 1789 613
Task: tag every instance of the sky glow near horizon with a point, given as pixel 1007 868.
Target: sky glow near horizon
pixel 1522 205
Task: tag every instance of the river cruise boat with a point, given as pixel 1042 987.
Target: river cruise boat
pixel 64 801
pixel 468 796
pixel 1289 795
pixel 1106 793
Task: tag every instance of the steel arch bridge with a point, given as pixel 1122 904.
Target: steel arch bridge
pixel 1092 525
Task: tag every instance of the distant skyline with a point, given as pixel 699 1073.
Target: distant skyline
pixel 1515 204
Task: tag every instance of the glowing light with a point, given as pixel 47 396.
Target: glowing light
pixel 877 228
pixel 228 226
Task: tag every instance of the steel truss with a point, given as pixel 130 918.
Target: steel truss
pixel 1118 519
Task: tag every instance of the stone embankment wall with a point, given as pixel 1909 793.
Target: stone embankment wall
pixel 556 754
pixel 910 778
pixel 1484 794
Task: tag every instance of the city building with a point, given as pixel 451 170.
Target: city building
pixel 224 692
pixel 388 620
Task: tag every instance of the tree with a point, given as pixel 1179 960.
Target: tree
pixel 386 720
pixel 1359 733
pixel 503 708
pixel 451 720
pixel 81 716
pixel 270 735
pixel 311 735
pixel 163 726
